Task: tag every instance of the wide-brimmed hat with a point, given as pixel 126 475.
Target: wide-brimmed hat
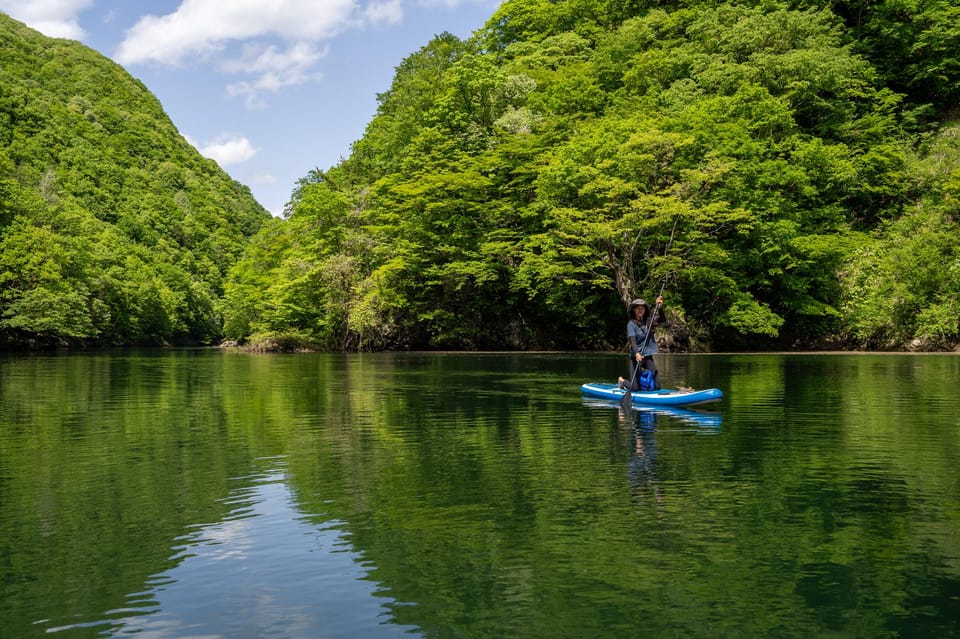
pixel 634 304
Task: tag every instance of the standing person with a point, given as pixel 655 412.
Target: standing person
pixel 642 345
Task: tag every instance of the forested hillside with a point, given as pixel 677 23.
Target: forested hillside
pixel 113 229
pixel 788 172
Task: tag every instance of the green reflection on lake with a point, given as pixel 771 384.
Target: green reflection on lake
pixel 206 493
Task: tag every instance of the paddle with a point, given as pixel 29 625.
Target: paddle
pixel 626 402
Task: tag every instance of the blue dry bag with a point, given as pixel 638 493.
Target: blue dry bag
pixel 646 380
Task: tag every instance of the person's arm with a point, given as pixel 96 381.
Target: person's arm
pixel 633 334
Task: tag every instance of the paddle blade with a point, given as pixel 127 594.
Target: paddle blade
pixel 626 402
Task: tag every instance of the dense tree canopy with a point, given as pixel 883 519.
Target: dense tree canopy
pixel 786 171
pixel 113 229
pixel 769 165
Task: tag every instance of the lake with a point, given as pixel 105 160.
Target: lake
pixel 214 494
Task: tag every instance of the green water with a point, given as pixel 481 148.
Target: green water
pixel 197 493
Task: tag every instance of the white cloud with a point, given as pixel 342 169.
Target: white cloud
pixel 54 18
pixel 259 58
pixel 205 26
pixel 209 30
pixel 276 69
pixel 227 149
pixel 388 12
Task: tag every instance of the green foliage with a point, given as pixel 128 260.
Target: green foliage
pixel 517 188
pixel 416 86
pixel 113 228
pixel 754 159
pixel 913 44
pixel 903 286
pixel 723 189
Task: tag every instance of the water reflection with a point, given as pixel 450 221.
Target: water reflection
pixel 203 494
pixel 642 469
pixel 263 570
pixel 647 418
pixel 650 417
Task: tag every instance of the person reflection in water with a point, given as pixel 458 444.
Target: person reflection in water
pixel 642 468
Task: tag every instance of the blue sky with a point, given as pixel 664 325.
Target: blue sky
pixel 270 89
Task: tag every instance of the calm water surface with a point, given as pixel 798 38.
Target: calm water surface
pixel 207 494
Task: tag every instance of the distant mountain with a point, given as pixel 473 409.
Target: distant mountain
pixel 113 228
